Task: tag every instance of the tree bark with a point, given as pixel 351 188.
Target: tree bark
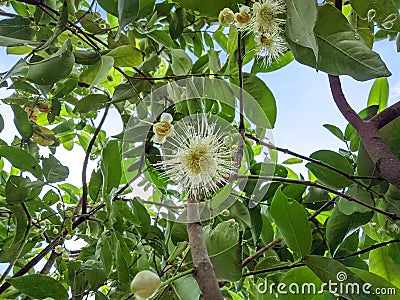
pixel 204 270
pixel 386 163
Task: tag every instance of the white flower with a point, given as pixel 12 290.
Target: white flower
pixel 272 47
pixel 243 17
pixel 197 157
pixel 163 129
pixel 226 16
pixel 265 16
pixel 58 249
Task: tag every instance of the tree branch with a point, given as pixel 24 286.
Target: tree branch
pixel 386 116
pixel 376 246
pixel 315 161
pixel 204 270
pixel 260 252
pixel 86 161
pixel 384 160
pixel 281 268
pixel 392 216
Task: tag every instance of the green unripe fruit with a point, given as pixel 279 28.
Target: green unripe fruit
pixel 145 284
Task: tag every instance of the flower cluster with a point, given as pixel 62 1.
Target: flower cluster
pixel 264 20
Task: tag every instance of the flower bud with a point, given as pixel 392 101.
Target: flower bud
pixel 226 16
pixel 65 254
pixel 387 25
pixel 145 284
pixel 58 249
pixel 371 15
pixel 163 129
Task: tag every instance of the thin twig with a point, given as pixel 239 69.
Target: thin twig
pixel 281 268
pixel 86 161
pixel 392 216
pixel 260 252
pixel 376 246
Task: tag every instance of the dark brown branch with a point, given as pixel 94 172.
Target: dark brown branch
pixel 384 160
pixel 392 216
pixel 49 263
pixel 260 252
pixel 86 161
pixel 315 161
pixel 32 263
pixel 281 268
pixel 376 246
pixel 204 270
pixel 386 116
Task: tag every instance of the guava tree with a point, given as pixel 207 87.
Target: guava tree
pixel 190 200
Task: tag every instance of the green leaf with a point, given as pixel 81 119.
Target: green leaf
pixel 86 57
pixel 335 131
pixel 64 87
pixel 17 27
pixel 126 56
pixel 162 38
pixel 291 220
pixel 264 97
pixel 43 136
pixel 39 286
pixel 176 25
pixel 110 6
pixel 181 62
pixel 241 214
pixel 186 288
pixel 209 8
pixel 391 135
pixel 340 226
pixel 91 103
pixel 13 42
pixel 121 264
pixel 21 121
pixel 359 193
pixel 111 166
pixel 124 91
pixel 283 60
pixel 17 190
pixel 377 282
pixel 11 252
pixel 301 19
pixel 95 184
pixel 127 12
pixel 224 247
pixel 19 69
pixel 383 265
pixel 328 176
pixel 51 70
pixel 292 161
pixel 21 159
pixel 330 270
pixel 302 276
pixel 341 50
pixel 98 72
pixel 53 170
pixel 214 62
pixel 379 93
pixel 1 123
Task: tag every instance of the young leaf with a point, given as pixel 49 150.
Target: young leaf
pixel 379 93
pixel 291 220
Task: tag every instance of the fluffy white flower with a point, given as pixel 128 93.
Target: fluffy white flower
pixel 197 158
pixel 272 47
pixel 266 16
pixel 163 129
